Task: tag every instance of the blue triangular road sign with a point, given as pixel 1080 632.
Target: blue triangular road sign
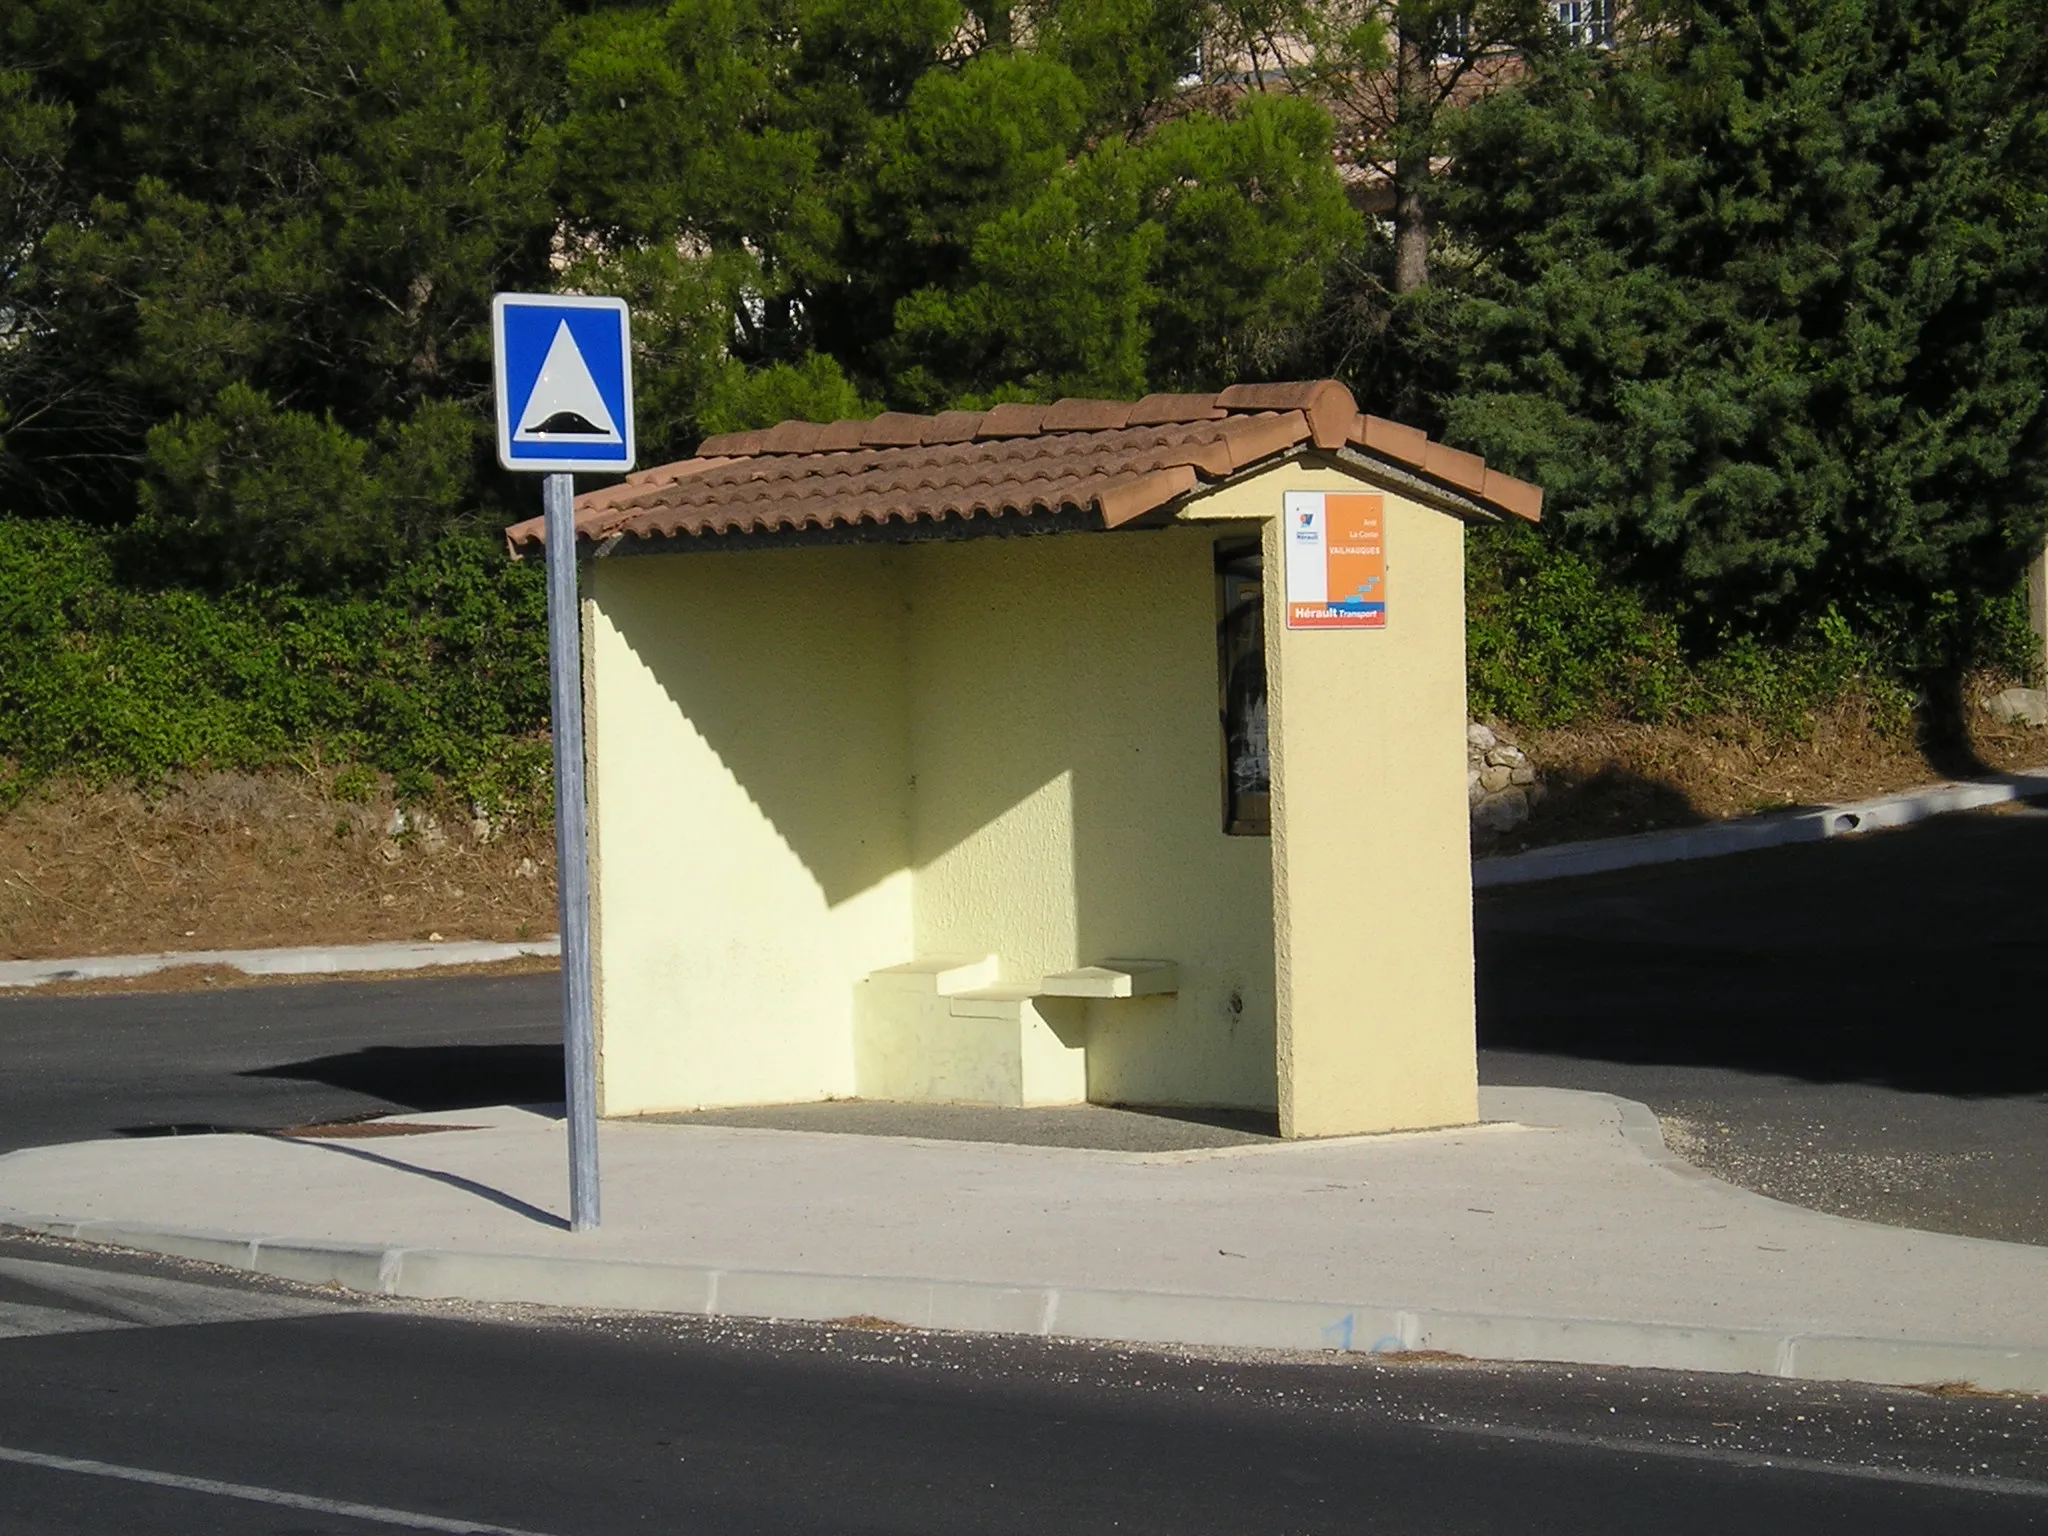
pixel 565 383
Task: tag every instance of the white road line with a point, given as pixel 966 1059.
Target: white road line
pixel 373 1513
pixel 1987 1482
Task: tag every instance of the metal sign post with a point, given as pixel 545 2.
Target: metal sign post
pixel 565 403
pixel 572 848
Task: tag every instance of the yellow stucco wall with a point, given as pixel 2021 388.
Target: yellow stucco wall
pixel 808 765
pixel 1371 838
pixel 749 769
pixel 1068 806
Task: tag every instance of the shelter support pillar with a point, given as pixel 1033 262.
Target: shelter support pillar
pixel 1372 883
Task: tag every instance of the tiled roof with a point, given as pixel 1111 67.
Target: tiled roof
pixel 1113 461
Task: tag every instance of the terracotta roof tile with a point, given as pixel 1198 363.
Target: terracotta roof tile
pixel 1159 410
pixel 953 426
pixel 791 437
pixel 1510 495
pixel 1109 459
pixel 1467 471
pixel 1389 439
pixel 1134 498
pixel 1085 416
pixel 734 445
pixel 1325 403
pixel 1252 438
pixel 1013 420
pixel 894 429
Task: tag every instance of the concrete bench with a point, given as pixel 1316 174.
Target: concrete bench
pixel 946 1030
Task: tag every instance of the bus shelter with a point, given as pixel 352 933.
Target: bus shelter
pixel 1099 751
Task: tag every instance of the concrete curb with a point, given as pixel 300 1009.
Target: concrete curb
pixel 1566 860
pixel 1149 1317
pixel 315 960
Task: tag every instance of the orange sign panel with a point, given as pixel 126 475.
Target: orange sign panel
pixel 1336 560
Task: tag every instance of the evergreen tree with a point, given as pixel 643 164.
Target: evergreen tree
pixel 247 246
pixel 1763 301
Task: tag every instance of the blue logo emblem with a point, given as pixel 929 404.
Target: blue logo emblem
pixel 565 383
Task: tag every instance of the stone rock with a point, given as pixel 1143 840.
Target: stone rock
pixel 2019 706
pixel 528 870
pixel 1501 785
pixel 428 829
pixel 1503 812
pixel 398 823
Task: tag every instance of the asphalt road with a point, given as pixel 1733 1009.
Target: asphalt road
pixel 263 1058
pixel 255 1409
pixel 1846 1025
pixel 1852 1026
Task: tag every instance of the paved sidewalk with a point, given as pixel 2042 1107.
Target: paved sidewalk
pixel 1559 1231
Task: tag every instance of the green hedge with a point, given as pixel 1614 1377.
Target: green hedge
pixel 1554 640
pixel 438 678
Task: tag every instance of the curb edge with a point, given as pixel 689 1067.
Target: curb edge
pixel 301 960
pixel 1146 1317
pixel 1599 856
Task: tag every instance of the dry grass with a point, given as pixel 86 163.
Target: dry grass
pixel 230 861
pixel 1608 780
pixel 226 861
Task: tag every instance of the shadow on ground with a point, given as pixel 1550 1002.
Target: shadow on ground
pixel 1851 1026
pixel 1912 959
pixel 425 1077
pixel 1611 802
pixel 1102 1127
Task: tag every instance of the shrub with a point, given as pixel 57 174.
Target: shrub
pixel 1555 640
pixel 438 676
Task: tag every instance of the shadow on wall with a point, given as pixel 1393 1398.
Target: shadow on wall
pixel 1912 958
pixel 1096 673
pixel 783 661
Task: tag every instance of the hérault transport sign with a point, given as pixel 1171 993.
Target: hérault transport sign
pixel 565 383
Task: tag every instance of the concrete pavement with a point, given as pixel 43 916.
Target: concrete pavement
pixel 1559 1230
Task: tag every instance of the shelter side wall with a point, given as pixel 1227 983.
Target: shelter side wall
pixel 752 838
pixel 1067 804
pixel 1371 840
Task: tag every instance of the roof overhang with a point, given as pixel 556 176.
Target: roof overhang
pixel 1078 466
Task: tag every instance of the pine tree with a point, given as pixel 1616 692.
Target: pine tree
pixel 1763 301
